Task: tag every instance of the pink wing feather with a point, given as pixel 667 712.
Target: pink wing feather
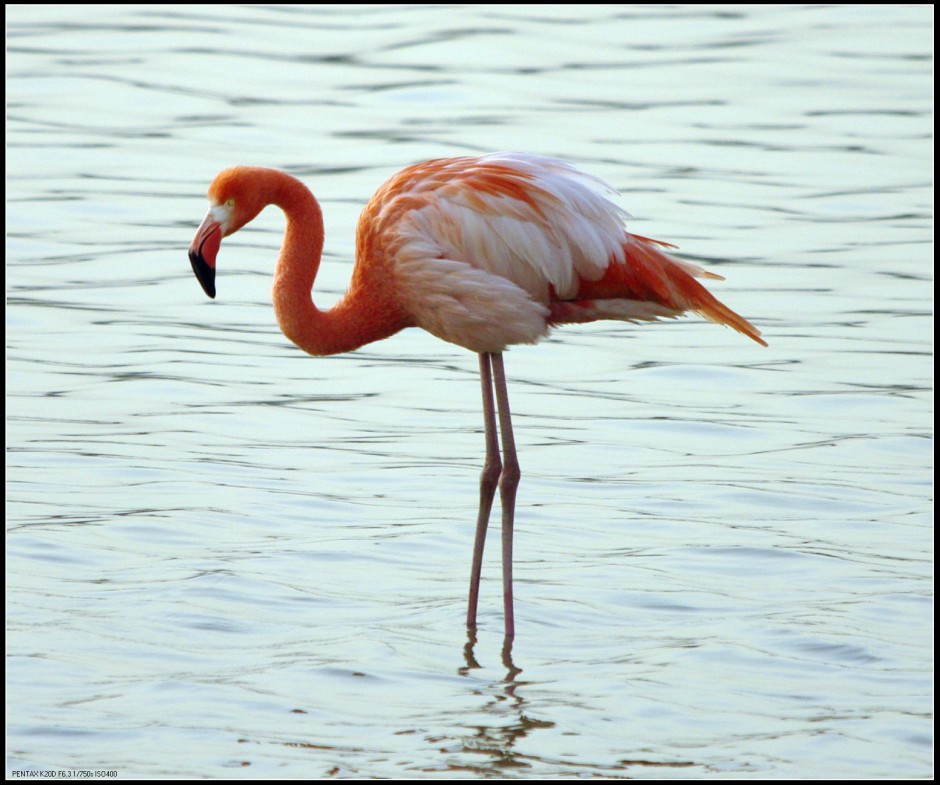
pixel 493 250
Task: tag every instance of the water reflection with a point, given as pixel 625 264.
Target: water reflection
pixel 505 655
pixel 503 699
pixel 505 744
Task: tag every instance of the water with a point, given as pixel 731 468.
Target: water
pixel 229 559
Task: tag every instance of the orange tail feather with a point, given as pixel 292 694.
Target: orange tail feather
pixel 651 275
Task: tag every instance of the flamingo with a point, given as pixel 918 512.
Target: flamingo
pixel 481 251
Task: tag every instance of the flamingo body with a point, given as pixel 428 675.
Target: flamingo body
pixel 481 251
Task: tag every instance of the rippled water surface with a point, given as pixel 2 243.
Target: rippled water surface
pixel 227 558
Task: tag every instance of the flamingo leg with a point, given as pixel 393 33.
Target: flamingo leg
pixel 508 483
pixel 489 479
pixel 502 473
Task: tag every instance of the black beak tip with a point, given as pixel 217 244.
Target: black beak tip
pixel 204 273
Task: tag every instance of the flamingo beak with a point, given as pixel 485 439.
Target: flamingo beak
pixel 203 250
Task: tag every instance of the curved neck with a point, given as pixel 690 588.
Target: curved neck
pixel 363 315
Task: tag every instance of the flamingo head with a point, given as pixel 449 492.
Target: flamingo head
pixel 233 201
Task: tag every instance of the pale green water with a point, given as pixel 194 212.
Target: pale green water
pixel 227 558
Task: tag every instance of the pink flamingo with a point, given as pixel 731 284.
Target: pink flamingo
pixel 484 252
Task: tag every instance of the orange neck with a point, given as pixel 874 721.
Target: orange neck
pixel 363 315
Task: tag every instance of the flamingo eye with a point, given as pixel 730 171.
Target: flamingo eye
pixel 230 203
